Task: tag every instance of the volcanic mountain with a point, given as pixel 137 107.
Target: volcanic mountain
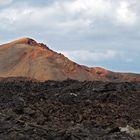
pixel 27 58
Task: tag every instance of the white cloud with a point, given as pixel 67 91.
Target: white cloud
pixel 69 15
pixel 125 15
pixel 92 56
pixel 14 15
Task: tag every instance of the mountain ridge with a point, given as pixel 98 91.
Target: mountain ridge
pixel 27 58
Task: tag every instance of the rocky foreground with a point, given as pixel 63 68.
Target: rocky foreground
pixel 69 110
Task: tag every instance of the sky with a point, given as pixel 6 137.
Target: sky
pixel 104 33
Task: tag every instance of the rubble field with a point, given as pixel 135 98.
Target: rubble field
pixel 68 110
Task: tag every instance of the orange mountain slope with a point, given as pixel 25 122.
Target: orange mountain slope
pixel 27 58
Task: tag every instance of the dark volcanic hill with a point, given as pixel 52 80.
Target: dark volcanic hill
pixel 27 58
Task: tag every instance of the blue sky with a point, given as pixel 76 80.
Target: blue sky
pixel 102 33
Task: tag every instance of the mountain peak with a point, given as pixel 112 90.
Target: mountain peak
pixel 26 40
pixel 34 60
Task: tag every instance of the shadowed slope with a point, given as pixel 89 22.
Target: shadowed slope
pixel 27 58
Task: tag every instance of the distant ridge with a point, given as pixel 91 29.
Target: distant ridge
pixel 27 58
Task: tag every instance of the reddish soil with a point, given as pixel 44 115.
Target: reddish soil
pixel 27 58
